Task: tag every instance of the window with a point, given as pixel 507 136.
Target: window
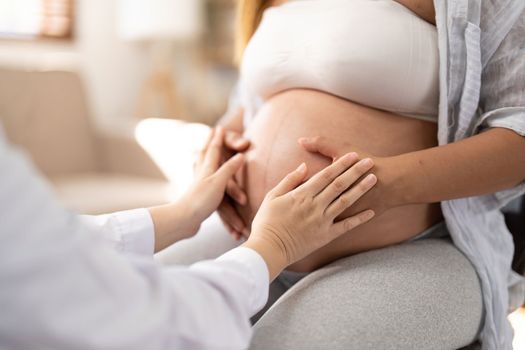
pixel 34 19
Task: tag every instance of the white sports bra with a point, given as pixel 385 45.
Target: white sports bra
pixel 373 52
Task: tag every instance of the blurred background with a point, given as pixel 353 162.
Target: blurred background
pixel 80 81
pixel 112 98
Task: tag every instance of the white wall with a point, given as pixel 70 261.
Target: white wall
pixel 112 70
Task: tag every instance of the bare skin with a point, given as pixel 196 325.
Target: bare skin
pixel 275 150
pixel 413 172
pixel 280 236
pixel 234 143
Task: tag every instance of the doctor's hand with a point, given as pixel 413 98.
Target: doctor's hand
pixel 298 218
pixel 212 177
pixel 382 197
pixel 183 218
pixel 234 143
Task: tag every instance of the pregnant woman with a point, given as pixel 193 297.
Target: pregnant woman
pixel 441 111
pixel 351 86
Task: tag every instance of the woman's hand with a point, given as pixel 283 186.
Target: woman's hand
pixel 183 218
pixel 491 161
pixel 380 198
pixel 294 219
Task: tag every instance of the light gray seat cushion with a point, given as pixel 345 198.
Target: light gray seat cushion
pixel 418 295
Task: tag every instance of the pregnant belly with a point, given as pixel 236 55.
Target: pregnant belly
pixel 275 152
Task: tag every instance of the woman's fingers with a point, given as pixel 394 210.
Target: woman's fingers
pixel 321 145
pixel 234 190
pixel 350 223
pixel 325 177
pixel 235 142
pixel 351 196
pixel 231 219
pixel 213 153
pixel 289 182
pixel 344 181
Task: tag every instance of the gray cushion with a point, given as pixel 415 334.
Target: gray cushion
pixel 419 295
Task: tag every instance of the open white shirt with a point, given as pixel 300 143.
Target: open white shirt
pixel 63 285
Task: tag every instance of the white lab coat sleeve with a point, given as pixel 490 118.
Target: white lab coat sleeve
pixel 62 287
pixel 129 231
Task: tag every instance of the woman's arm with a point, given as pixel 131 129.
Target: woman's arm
pixel 423 8
pixel 482 164
pixel 488 162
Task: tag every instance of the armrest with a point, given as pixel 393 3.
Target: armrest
pixel 121 153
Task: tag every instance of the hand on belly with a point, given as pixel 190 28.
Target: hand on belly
pixel 275 151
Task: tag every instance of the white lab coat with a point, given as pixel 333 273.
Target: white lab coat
pixel 63 286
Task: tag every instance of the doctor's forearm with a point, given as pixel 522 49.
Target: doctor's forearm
pixel 482 164
pixel 272 255
pixel 171 224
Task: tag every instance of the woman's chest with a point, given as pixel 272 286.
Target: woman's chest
pixel 360 50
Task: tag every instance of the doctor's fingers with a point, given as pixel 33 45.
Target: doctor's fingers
pixel 235 191
pixel 344 181
pixel 231 219
pixel 226 172
pixel 348 198
pixel 318 183
pixel 289 182
pixel 213 153
pixel 202 152
pixel 348 224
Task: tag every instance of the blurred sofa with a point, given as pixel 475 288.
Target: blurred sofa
pixel 47 114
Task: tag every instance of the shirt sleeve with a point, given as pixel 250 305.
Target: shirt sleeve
pixel 64 288
pixel 129 231
pixel 502 99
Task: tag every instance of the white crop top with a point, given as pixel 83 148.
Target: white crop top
pixel 374 52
